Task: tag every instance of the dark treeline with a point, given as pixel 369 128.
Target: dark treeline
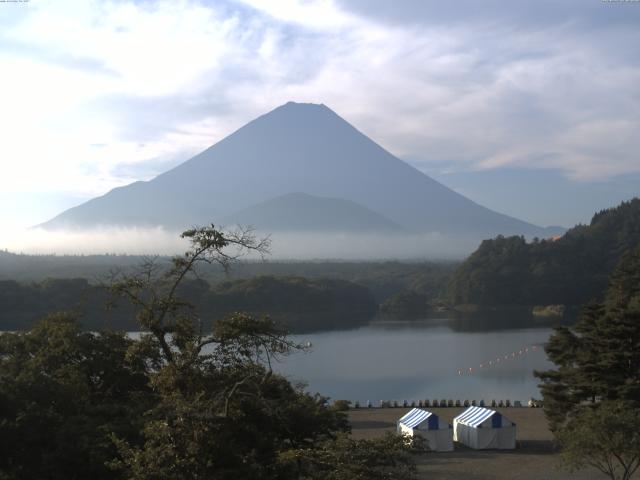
pixel 383 279
pixel 410 304
pixel 304 295
pixel 570 270
pixel 300 304
pixel 423 293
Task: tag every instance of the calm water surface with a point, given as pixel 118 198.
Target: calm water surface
pixel 421 360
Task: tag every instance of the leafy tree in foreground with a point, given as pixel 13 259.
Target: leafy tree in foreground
pixel 221 411
pixel 344 458
pixel 63 392
pixel 174 403
pixel 598 377
pixel 607 438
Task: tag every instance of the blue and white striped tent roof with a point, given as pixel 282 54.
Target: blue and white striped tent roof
pixel 474 416
pixel 415 417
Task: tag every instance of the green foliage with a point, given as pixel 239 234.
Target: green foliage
pixel 343 458
pixel 600 358
pixel 592 399
pixel 22 304
pixel 341 405
pixel 382 279
pixel 407 305
pixel 571 270
pixel 63 392
pixel 175 403
pixel 303 304
pixel 606 437
pixel 225 414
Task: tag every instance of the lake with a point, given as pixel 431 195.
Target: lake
pixel 420 360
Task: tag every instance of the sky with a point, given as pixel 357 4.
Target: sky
pixel 529 108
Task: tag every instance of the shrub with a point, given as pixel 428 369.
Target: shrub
pixel 341 405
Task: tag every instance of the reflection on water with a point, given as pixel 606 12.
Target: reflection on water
pixel 422 360
pixel 507 320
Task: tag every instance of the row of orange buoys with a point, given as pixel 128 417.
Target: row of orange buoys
pixel 498 360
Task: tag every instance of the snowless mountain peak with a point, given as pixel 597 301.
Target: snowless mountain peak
pixel 297 147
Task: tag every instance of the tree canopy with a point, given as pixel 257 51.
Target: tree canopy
pixel 607 438
pixel 62 392
pixel 302 304
pixel 571 270
pixel 596 384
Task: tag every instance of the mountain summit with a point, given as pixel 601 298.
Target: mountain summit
pixel 295 148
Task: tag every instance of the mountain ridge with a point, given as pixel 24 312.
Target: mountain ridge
pixel 298 211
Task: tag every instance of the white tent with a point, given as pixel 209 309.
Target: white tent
pixel 481 428
pixel 426 424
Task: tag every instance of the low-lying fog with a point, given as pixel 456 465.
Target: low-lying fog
pixel 284 245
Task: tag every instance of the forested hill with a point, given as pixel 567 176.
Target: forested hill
pixel 570 270
pixel 302 305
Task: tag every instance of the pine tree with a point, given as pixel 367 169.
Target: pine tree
pixel 600 358
pixel 597 382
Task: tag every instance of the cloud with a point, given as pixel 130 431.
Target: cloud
pixel 525 85
pixel 284 245
pixel 363 246
pixel 132 241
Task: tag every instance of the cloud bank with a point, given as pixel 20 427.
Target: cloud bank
pixel 284 245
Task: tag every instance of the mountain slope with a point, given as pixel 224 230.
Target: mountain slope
pixel 294 148
pixel 302 212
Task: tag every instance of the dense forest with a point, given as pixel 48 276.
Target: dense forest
pixel 569 270
pixel 383 279
pixel 300 304
pixel 306 296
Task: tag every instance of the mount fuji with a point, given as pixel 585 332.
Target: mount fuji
pixel 298 167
